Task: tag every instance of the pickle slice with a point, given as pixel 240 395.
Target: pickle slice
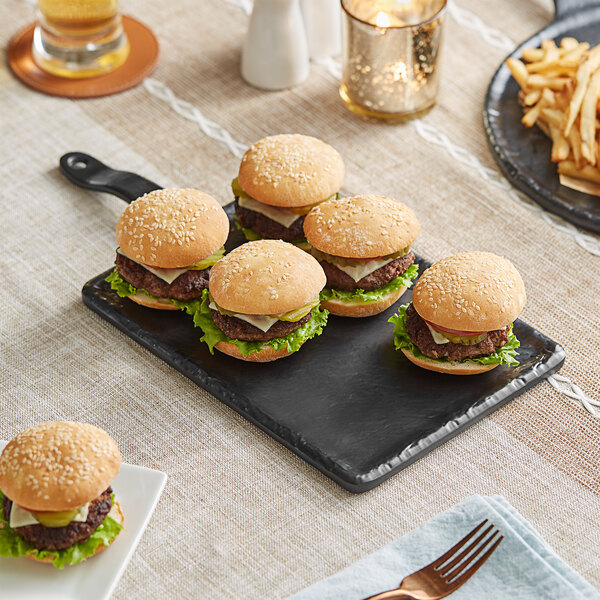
pixel 295 315
pixel 304 210
pixel 291 316
pixel 56 519
pixel 469 340
pixel 237 189
pixel 349 262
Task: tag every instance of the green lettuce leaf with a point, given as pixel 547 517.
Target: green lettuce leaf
pixel 249 234
pixel 124 289
pixel 13 545
pixel 209 261
pixel 503 356
pixel 212 334
pixel 358 295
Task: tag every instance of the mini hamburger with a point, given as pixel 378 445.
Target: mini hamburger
pixel 280 179
pixel 363 244
pixel 460 319
pixel 263 301
pixel 168 239
pixel 57 503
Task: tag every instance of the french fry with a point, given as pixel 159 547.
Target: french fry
pixel 518 70
pixel 542 81
pixel 533 54
pixel 569 168
pixel 553 116
pixel 582 78
pixel 550 49
pixel 556 66
pixel 568 72
pixel 545 128
pixel 561 99
pixel 569 58
pixel 548 97
pixel 531 116
pixel 560 146
pixel 569 43
pixel 575 143
pixel 576 53
pixel 587 126
pixel 532 97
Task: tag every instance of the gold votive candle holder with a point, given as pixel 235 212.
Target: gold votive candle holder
pixel 391 52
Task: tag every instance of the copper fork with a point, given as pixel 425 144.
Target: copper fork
pixel 447 573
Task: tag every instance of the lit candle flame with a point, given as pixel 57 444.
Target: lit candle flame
pixel 382 19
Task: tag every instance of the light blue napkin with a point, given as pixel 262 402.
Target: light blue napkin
pixel 523 567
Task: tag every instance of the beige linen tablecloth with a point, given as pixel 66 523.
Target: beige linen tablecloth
pixel 241 516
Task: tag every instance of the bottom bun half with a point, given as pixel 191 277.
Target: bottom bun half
pixel 161 304
pixel 451 367
pixel 362 309
pixel 267 354
pixel 115 512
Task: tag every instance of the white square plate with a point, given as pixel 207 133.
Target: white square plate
pixel 137 490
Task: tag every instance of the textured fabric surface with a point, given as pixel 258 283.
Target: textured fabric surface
pixel 522 566
pixel 240 512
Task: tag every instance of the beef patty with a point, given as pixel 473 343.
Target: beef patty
pixel 58 538
pixel 421 337
pixel 237 329
pixel 338 280
pixel 267 228
pixel 188 286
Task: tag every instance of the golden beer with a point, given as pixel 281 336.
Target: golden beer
pixel 79 38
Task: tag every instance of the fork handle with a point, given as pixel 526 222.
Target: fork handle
pixel 391 595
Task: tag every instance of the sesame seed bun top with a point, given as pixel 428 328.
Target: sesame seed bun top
pixel 57 466
pixel 266 277
pixel 172 228
pixel 291 170
pixel 471 291
pixel 361 226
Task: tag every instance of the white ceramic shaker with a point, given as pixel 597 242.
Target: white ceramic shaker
pixel 275 51
pixel 323 24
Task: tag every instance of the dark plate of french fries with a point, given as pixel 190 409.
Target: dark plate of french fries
pixel 542 115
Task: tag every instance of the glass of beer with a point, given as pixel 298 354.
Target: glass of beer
pixel 79 38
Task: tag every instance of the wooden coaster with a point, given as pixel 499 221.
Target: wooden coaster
pixel 141 62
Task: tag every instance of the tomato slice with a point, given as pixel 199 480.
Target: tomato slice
pixel 453 331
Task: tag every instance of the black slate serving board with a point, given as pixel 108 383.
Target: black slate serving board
pixel 347 402
pixel 523 154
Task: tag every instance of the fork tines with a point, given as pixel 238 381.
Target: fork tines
pixel 460 562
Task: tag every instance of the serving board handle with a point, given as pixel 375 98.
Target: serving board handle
pixel 562 8
pixel 88 172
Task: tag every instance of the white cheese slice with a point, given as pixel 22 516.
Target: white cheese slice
pixel 363 268
pixel 438 338
pixel 262 322
pixel 168 275
pixel 19 517
pixel 278 214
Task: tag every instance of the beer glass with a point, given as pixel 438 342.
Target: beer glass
pixel 79 38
